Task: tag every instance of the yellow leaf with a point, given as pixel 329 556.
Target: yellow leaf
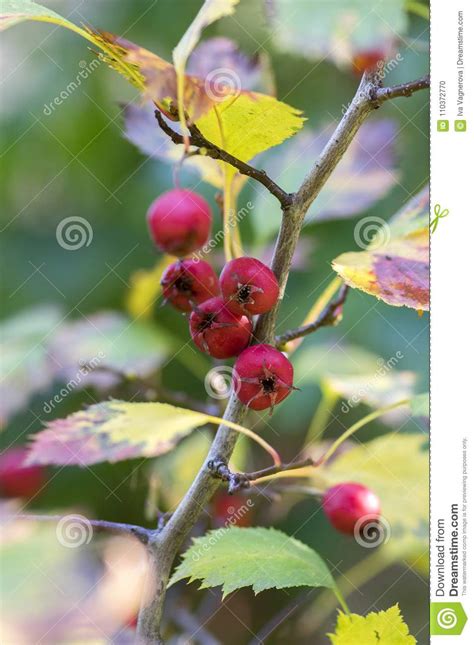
pixel 211 11
pixel 381 628
pixel 250 124
pixel 146 288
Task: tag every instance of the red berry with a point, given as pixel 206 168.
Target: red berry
pixel 189 282
pixel 262 376
pixel 345 504
pixel 217 331
pixel 248 286
pixel 232 510
pixel 17 480
pixel 179 221
pixel 366 60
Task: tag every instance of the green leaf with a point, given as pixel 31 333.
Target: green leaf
pixel 252 557
pixel 395 266
pixel 339 31
pixel 381 628
pixel 420 405
pixel 396 467
pixel 16 11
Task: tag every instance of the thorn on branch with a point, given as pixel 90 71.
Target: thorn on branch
pixel 208 148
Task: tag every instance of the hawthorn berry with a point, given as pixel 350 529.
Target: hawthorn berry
pixel 217 331
pixel 348 503
pixel 16 479
pixel 189 282
pixel 179 221
pixel 367 60
pixel 231 510
pixel 248 286
pixel 262 377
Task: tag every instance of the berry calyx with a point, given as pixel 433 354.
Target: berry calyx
pixel 179 221
pixel 262 376
pixel 217 331
pixel 349 505
pixel 187 283
pixel 17 479
pixel 248 286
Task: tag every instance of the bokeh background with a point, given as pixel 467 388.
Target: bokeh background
pixel 76 161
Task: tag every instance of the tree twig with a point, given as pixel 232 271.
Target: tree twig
pixel 210 149
pixel 236 481
pixel 168 542
pixel 142 534
pixel 330 315
pixel 383 94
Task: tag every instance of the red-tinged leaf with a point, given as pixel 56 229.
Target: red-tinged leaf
pixel 113 431
pixel 395 266
pixel 116 430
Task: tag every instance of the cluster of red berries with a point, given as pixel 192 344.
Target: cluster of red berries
pixel 220 309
